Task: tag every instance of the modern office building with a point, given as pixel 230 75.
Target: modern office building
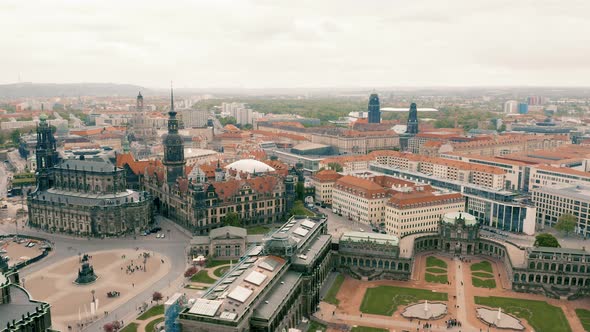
pixel 523 108
pixel 374 109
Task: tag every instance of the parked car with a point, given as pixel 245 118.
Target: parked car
pixel 383 232
pixel 156 230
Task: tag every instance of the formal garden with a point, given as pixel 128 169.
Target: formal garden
pixel 584 316
pixel 385 300
pixel 436 270
pixel 482 275
pixel 333 291
pixel 367 329
pixel 542 316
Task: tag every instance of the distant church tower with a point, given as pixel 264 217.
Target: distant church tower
pixel 46 154
pixel 412 127
pixel 219 173
pixel 173 147
pixel 139 103
pixel 374 109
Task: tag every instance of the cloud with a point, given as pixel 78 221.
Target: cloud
pixel 273 43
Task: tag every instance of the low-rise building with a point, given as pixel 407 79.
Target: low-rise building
pixel 553 201
pixel 359 199
pixel 324 181
pixel 418 210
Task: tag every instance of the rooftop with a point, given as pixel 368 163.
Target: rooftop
pixel 234 294
pixel 94 165
pixel 87 199
pixel 575 191
pixel 371 237
pixel 277 295
pixel 250 166
pixel 451 218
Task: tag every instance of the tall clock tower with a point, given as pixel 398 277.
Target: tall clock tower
pixel 46 154
pixel 173 147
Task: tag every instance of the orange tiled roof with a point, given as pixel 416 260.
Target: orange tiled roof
pixel 406 199
pixel 326 175
pixel 563 170
pixel 358 185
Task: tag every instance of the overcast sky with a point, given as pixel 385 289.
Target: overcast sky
pixel 297 43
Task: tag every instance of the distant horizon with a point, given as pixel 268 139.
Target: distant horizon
pixel 343 87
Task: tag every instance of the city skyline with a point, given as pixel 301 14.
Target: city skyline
pixel 263 44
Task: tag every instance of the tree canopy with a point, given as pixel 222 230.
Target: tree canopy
pixel 232 219
pixel 566 223
pixel 546 240
pixel 335 166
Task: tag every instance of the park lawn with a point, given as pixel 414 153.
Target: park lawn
pixel 214 263
pixel 314 326
pixel 151 325
pixel 542 316
pixel 367 329
pixel 482 274
pixel 483 283
pixel 202 277
pixel 258 230
pixel 384 300
pixel 482 266
pixel 436 270
pixel 432 261
pixel 584 317
pixel 132 327
pixel 441 279
pixel 220 271
pixel 153 311
pixel 333 291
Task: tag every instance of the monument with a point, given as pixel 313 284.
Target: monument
pixel 86 273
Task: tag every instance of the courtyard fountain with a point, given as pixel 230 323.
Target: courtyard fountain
pixel 499 319
pixel 425 311
pixel 86 273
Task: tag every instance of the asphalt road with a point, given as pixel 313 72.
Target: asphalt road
pixel 174 246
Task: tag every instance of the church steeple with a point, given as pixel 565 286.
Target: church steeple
pixel 139 103
pixel 45 153
pixel 173 146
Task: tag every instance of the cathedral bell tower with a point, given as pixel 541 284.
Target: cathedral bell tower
pixel 173 147
pixel 46 154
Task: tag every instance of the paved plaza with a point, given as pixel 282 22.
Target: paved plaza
pixel 118 270
pixel 19 252
pixel 461 304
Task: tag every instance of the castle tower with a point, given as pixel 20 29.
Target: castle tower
pixel 139 103
pixel 219 173
pixel 374 109
pixel 173 147
pixel 412 127
pixel 46 154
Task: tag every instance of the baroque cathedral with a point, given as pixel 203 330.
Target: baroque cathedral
pixel 85 196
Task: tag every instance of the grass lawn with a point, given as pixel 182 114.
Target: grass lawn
pixel 258 230
pixel 432 261
pixel 153 311
pixel 482 274
pixel 331 295
pixel 542 316
pixel 384 300
pixel 214 263
pixel 436 270
pixel 220 271
pixel 151 325
pixel 483 283
pixel 441 279
pixel 132 327
pixel 584 316
pixel 314 326
pixel 202 277
pixel 482 266
pixel 367 329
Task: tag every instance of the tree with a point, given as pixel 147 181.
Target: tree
pixel 546 240
pixel 231 219
pixel 157 296
pixel 300 190
pixel 335 166
pixel 227 120
pixel 566 223
pixel 247 126
pixel 15 136
pixel 108 327
pixel 190 272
